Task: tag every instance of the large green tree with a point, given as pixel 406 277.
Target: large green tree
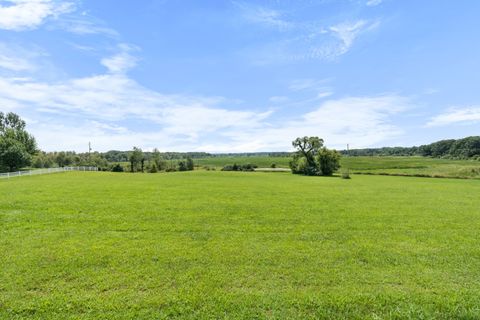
pixel 17 146
pixel 136 158
pixel 312 158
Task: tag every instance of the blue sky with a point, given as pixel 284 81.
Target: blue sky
pixel 237 76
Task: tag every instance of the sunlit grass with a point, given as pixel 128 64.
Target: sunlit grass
pixel 238 245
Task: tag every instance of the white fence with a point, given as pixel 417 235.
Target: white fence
pixel 44 171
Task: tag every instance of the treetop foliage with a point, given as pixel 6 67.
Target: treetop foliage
pixel 17 146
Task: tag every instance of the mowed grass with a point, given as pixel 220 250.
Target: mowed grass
pixel 226 245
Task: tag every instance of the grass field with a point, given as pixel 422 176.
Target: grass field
pixel 411 166
pixel 407 166
pixel 215 245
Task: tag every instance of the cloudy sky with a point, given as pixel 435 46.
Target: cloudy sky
pixel 235 76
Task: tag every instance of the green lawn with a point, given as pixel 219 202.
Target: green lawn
pixel 226 245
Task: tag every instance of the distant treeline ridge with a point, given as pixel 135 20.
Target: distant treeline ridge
pixel 466 148
pixel 122 156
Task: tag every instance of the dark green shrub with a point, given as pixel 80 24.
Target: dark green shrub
pixel 190 165
pixel 117 168
pixel 182 166
pixel 153 168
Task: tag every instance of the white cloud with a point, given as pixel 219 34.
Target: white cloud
pixel 94 107
pixel 278 99
pixel 114 112
pixel 456 116
pixel 318 87
pixel 324 94
pixel 307 84
pixel 85 24
pixel 358 121
pixel 299 39
pixel 264 16
pixel 310 41
pixel 20 15
pixel 13 62
pixel 122 61
pixel 347 32
pixel 373 3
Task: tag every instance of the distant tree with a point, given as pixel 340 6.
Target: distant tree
pixel 312 158
pixel 136 158
pixel 158 160
pixel 17 146
pixel 171 166
pixel 97 160
pixel 190 164
pixel 182 166
pixel 153 168
pixel 64 159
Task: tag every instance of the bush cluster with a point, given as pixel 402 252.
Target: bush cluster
pixel 243 167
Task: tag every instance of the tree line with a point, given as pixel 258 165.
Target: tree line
pixel 138 162
pixel 466 148
pixel 18 149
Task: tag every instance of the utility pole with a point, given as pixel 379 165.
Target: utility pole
pixel 348 149
pixel 89 150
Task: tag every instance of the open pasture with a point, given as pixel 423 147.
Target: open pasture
pixel 238 246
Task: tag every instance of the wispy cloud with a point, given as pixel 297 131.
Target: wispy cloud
pixel 307 84
pixel 122 61
pixel 278 99
pixel 11 60
pixel 347 32
pixel 264 16
pixel 104 101
pixel 456 115
pixel 85 24
pixel 373 3
pixel 358 121
pixel 20 15
pixel 319 87
pixel 298 40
